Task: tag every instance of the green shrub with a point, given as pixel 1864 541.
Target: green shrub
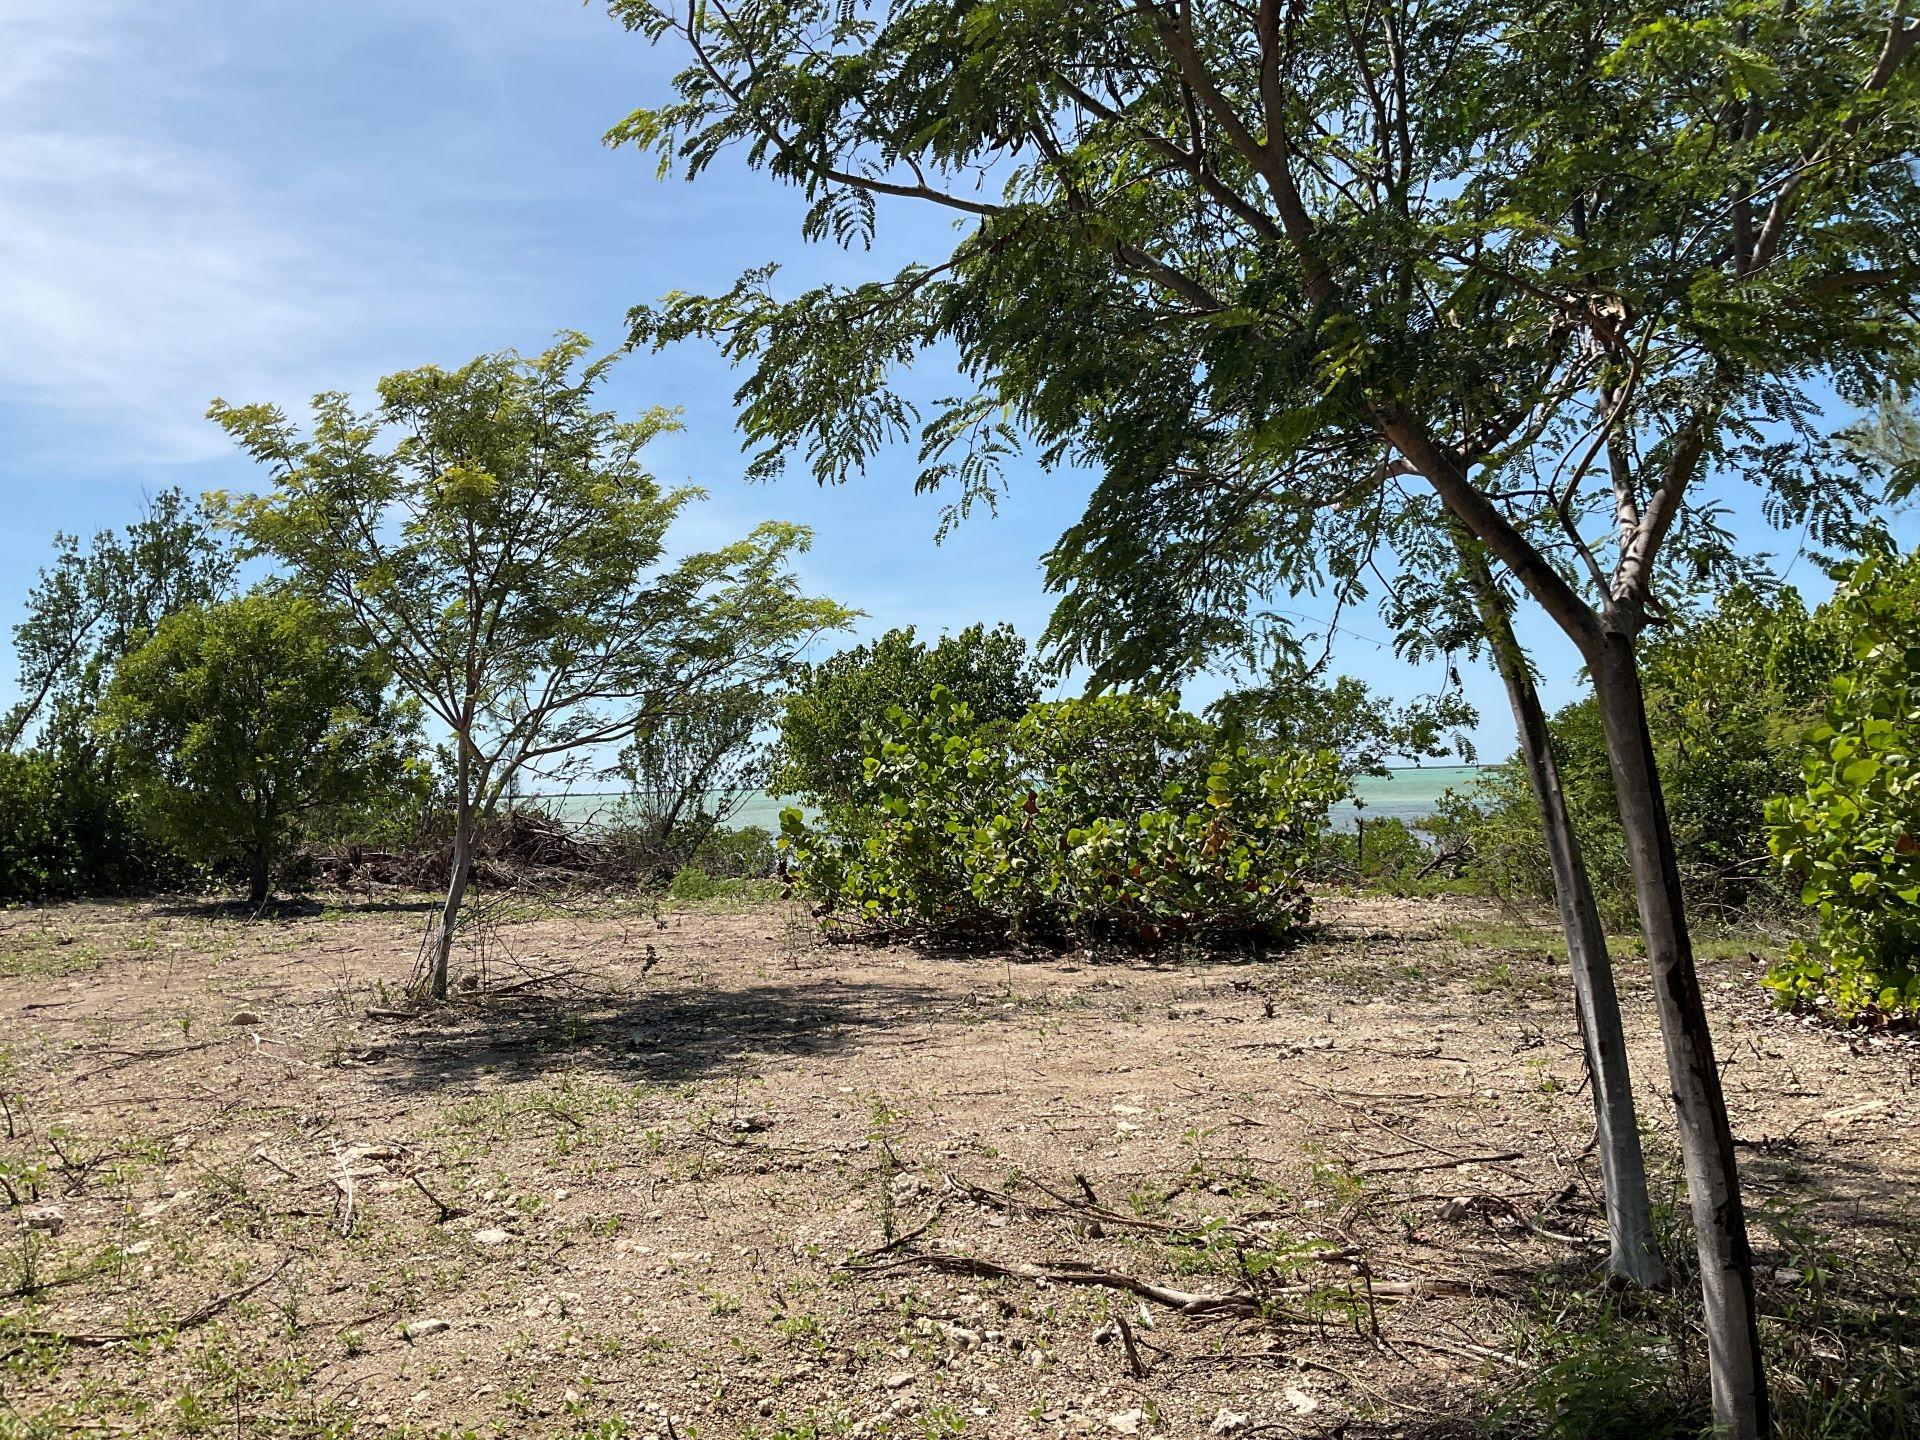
pixel 1730 691
pixel 1376 852
pixel 739 852
pixel 1120 817
pixel 67 830
pixel 1509 846
pixel 823 717
pixel 1851 837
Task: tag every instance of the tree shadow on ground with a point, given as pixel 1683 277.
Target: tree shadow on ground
pixel 1167 954
pixel 672 1036
pixel 1839 1303
pixel 284 908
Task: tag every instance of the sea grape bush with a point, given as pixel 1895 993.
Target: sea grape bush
pixel 1114 818
pixel 829 704
pixel 1852 835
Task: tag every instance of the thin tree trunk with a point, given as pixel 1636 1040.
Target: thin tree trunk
pixel 1633 1255
pixel 1740 1408
pixel 456 891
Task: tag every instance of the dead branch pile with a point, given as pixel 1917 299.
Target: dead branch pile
pixel 519 850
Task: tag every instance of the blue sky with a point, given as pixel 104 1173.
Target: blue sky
pixel 261 200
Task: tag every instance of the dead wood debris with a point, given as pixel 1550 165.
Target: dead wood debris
pixel 198 1316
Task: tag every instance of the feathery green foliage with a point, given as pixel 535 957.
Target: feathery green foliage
pixel 496 538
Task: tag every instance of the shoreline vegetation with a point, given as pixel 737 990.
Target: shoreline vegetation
pixel 1408 793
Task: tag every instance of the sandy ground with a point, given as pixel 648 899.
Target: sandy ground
pixel 699 1174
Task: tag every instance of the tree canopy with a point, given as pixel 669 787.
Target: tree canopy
pixel 1254 266
pixel 94 604
pixel 497 539
pixel 235 724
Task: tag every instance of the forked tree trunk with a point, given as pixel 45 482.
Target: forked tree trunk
pixel 456 892
pixel 1633 1256
pixel 1740 1408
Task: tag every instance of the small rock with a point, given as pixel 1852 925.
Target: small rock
pixel 418 1329
pixel 1300 1400
pixel 492 1235
pixel 154 1209
pixel 244 1017
pixel 1229 1422
pixel 900 1381
pixel 1128 1422
pixel 50 1218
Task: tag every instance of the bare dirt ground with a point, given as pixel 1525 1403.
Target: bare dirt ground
pixel 698 1174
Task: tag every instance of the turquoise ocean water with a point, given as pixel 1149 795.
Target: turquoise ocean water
pixel 1407 795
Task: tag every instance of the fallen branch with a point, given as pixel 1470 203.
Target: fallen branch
pixel 1093 1210
pixel 1187 1302
pixel 1451 1162
pixel 342 1179
pixel 199 1316
pixel 447 1212
pixel 911 1235
pixel 1450 1347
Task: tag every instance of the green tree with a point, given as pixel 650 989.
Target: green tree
pixel 237 723
pixel 1257 266
pixel 833 702
pixel 94 605
pixel 496 539
pixel 66 823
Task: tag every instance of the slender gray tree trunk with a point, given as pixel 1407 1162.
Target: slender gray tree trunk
pixel 1740 1407
pixel 456 892
pixel 1633 1255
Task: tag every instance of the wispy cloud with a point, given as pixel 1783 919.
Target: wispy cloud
pixel 142 271
pixel 134 275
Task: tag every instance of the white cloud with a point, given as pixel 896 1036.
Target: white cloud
pixel 133 275
pixel 142 272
